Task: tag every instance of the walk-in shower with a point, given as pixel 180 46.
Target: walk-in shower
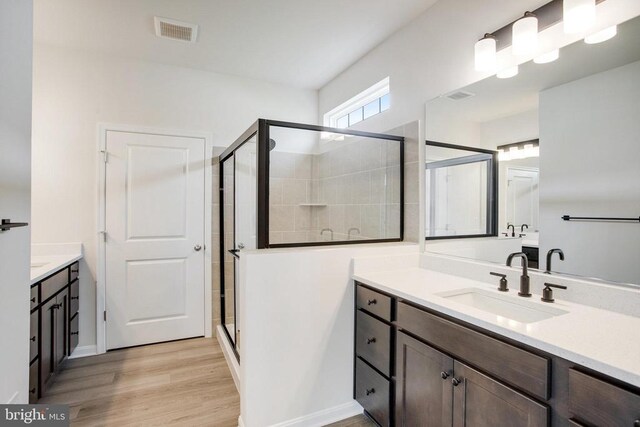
pixel 290 184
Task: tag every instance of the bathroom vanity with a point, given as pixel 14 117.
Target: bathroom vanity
pixel 417 365
pixel 54 319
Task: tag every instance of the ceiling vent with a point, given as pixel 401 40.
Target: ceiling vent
pixel 175 30
pixel 460 94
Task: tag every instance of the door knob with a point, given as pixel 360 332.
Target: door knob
pixel 240 245
pixel 197 248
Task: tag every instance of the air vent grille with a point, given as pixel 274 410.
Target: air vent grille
pixel 458 95
pixel 176 30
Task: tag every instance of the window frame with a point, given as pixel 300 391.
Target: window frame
pixel 358 102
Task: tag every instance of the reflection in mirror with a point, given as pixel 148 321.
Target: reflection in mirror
pixel 568 135
pixel 460 191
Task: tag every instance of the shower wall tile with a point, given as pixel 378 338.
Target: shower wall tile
pixel 411 182
pixel 294 191
pixel 281 218
pixel 275 191
pixel 361 188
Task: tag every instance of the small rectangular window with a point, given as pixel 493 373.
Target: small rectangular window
pixel 343 122
pixel 355 116
pixel 384 103
pixel 365 105
pixel 372 108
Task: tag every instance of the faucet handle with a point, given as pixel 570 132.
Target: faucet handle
pixel 503 281
pixel 547 292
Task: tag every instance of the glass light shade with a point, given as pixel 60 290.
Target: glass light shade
pixel 578 15
pixel 508 72
pixel 545 58
pixel 485 50
pixel 524 35
pixel 602 36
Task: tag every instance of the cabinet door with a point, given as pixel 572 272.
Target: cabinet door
pixel 423 384
pixel 480 400
pixel 47 314
pixel 60 329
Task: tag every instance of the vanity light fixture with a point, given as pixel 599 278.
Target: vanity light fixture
pixel 578 15
pixel 485 53
pixel 519 150
pixel 602 36
pixel 545 58
pixel 524 35
pixel 507 73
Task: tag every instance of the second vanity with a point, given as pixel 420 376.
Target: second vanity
pixel 437 349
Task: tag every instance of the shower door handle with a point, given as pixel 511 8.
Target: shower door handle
pixel 234 252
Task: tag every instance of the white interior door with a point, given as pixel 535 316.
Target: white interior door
pixel 523 197
pixel 154 238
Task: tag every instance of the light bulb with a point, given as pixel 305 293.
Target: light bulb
pixel 578 15
pixel 508 72
pixel 485 52
pixel 545 58
pixel 524 35
pixel 602 36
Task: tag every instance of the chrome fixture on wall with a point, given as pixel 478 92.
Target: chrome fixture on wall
pixel 577 16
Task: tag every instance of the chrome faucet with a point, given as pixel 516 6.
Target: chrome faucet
pixel 513 229
pixel 525 288
pixel 326 229
pixel 549 255
pixel 356 229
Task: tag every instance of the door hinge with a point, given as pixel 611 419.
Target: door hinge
pixel 105 315
pixel 104 235
pixel 105 156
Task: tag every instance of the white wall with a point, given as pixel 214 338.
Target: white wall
pixel 430 56
pixel 16 29
pixel 590 158
pixel 296 347
pixel 76 90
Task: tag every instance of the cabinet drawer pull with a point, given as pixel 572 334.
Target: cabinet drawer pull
pixel 444 375
pixel 73 333
pixel 372 302
pixel 33 299
pixel 32 391
pixel 371 340
pixel 370 391
pixel 455 382
pixel 72 298
pixel 33 338
pixel 636 423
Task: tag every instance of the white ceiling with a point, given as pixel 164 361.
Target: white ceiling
pixel 303 43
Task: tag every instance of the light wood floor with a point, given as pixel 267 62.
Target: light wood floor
pixel 185 383
pixel 180 383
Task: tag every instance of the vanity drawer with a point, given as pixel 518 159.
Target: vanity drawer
pixel 73 334
pixel 372 392
pixel 373 341
pixel 54 283
pixel 33 336
pixel 34 298
pixel 596 402
pixel 74 298
pixel 33 382
pixel 518 367
pixel 373 302
pixel 75 271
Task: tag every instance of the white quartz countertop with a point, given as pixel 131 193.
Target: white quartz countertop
pixel 45 265
pixel 602 340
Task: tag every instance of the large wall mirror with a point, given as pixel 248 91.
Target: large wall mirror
pixel 568 137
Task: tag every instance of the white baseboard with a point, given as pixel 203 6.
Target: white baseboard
pixel 240 422
pixel 84 351
pixel 230 356
pixel 13 398
pixel 324 417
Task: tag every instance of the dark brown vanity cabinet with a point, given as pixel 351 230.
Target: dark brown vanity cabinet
pixel 54 319
pixel 415 367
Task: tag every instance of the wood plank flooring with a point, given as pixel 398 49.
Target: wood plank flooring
pixel 180 383
pixel 184 383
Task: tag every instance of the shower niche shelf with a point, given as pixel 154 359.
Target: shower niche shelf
pixel 313 205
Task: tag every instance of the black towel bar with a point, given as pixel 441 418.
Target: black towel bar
pixel 597 218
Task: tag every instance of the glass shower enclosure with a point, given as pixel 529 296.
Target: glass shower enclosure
pixel 288 184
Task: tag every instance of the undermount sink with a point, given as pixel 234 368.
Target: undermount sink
pixel 38 264
pixel 509 307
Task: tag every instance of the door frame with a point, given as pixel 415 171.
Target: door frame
pixel 101 288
